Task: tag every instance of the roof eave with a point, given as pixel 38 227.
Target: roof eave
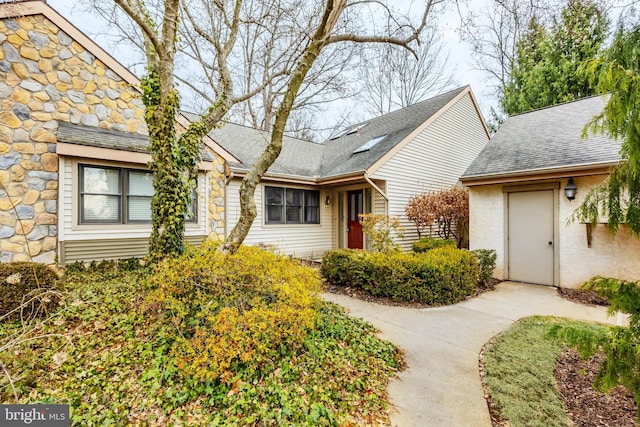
pixel 327 180
pixel 540 173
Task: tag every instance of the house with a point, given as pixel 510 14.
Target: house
pixel 310 198
pixel 519 208
pixel 73 148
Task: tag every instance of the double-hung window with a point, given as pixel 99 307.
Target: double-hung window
pixel 291 206
pixel 111 195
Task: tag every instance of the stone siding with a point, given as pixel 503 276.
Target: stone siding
pixel 216 199
pixel 46 77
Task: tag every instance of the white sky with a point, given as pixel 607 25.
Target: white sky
pixel 459 59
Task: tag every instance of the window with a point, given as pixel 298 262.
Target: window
pixel 291 206
pixel 110 195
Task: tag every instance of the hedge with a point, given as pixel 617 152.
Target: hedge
pixel 427 243
pixel 440 276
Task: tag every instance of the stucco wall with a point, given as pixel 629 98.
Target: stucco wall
pixel 486 222
pixel 610 256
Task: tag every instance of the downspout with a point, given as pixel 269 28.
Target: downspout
pixel 228 180
pixel 373 184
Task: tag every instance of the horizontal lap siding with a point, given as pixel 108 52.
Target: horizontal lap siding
pixel 110 249
pixel 304 240
pixel 432 161
pixel 86 243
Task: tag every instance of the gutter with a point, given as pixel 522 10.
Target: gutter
pixel 468 180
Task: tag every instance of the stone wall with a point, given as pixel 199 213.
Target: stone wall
pixel 216 199
pixel 46 77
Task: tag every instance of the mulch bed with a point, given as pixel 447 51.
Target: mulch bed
pixel 586 406
pixel 583 297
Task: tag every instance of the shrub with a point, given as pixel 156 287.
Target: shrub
pixel 486 263
pixel 446 209
pixel 234 311
pixel 27 284
pixel 427 243
pixel 346 267
pixel 440 276
pixel 380 229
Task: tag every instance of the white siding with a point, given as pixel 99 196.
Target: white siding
pixel 300 240
pixel 434 160
pixel 70 230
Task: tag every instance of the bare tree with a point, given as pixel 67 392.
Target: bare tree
pixel 294 34
pixel 395 78
pixel 494 31
pixel 329 30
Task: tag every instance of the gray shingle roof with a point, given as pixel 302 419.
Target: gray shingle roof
pixel 103 138
pixel 549 138
pixel 333 157
pixel 298 157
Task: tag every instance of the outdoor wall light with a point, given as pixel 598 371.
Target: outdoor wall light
pixel 327 201
pixel 570 190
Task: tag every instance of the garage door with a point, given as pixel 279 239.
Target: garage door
pixel 530 234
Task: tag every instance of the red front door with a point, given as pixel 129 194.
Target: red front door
pixel 356 207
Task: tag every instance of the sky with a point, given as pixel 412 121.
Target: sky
pixel 460 54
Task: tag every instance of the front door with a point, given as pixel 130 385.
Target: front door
pixel 355 205
pixel 531 237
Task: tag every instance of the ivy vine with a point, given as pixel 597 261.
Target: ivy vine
pixel 174 164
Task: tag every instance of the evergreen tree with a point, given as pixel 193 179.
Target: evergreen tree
pixel 617 74
pixel 546 68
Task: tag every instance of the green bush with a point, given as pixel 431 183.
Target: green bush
pixel 427 243
pixel 27 284
pixel 441 276
pixel 346 267
pixel 486 262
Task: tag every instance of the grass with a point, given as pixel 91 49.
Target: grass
pixel 518 369
pixel 109 357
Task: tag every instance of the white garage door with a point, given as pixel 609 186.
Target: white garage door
pixel 531 235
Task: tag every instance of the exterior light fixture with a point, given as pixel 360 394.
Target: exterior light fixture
pixel 327 201
pixel 570 190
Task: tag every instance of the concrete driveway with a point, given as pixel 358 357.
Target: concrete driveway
pixel 441 386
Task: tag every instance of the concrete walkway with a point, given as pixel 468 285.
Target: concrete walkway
pixel 441 386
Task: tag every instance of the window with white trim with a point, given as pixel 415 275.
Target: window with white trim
pixel 291 206
pixel 112 195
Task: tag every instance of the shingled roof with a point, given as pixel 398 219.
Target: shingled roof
pixel 544 140
pixel 103 138
pixel 336 156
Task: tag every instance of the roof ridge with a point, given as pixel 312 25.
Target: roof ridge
pixel 556 105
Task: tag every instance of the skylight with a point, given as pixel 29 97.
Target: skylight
pixel 350 130
pixel 369 144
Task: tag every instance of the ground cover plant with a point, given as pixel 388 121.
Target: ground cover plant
pixel 533 378
pixel 206 339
